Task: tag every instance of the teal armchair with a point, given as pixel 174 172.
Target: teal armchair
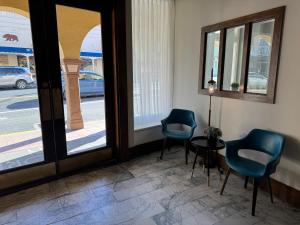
pixel 179 116
pixel 268 142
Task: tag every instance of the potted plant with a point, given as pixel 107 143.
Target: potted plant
pixel 235 86
pixel 213 134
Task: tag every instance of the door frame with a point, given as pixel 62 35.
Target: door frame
pixel 37 22
pixel 115 24
pixel 44 33
pixel 114 18
pixel 105 10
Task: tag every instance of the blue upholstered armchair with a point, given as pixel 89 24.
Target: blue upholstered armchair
pixel 183 117
pixel 266 143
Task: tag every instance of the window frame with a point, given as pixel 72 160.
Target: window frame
pixel 278 15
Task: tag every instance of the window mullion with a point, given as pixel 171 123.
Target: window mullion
pixel 245 60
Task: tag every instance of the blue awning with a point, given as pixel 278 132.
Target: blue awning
pixel 91 54
pixel 30 51
pixel 16 50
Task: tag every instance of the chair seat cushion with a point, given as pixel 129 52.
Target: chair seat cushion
pixel 177 134
pixel 246 167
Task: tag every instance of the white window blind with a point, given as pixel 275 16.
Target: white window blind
pixel 153 62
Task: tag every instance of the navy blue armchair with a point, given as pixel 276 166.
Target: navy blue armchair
pixel 179 116
pixel 263 141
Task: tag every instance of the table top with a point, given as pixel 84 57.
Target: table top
pixel 203 143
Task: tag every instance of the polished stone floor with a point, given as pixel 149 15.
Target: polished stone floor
pixel 144 191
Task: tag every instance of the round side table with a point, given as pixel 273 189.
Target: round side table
pixel 201 143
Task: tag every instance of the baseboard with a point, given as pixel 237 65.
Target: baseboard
pixel 282 191
pixel 144 149
pixel 149 147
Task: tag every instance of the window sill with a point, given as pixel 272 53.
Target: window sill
pixel 269 98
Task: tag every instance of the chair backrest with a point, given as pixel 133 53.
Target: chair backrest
pixel 182 116
pixel 265 141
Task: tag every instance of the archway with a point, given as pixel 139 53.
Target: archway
pixel 91 51
pixel 16 48
pixel 73 26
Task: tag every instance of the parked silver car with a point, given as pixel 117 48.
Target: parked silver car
pixel 14 76
pixel 90 84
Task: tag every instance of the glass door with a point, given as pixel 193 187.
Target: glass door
pixel 22 124
pixel 82 77
pixel 57 87
pixel 86 76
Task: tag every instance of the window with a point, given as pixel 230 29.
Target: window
pixel 260 56
pixel 242 56
pixel 233 58
pixel 153 51
pixel 212 56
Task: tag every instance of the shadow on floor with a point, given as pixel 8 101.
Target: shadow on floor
pixel 22 161
pixel 84 140
pixel 28 104
pixel 20 144
pixel 39 156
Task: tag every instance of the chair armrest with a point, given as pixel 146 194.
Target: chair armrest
pixel 271 166
pixel 232 147
pixel 192 130
pixel 194 126
pixel 164 124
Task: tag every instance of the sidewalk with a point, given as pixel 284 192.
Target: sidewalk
pixel 26 147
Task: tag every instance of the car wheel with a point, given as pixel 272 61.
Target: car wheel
pixel 21 84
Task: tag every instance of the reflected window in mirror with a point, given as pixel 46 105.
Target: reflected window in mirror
pixel 233 58
pixel 260 56
pixel 212 56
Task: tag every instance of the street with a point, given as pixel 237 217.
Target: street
pixel 19 110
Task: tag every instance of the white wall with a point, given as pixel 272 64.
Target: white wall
pixel 236 117
pixel 15 24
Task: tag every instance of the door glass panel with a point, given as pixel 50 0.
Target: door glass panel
pixel 20 124
pixel 212 56
pixel 233 58
pixel 79 33
pixel 260 56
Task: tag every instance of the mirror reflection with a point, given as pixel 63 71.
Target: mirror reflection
pixel 233 58
pixel 260 56
pixel 212 56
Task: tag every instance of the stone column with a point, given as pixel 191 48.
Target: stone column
pixel 71 69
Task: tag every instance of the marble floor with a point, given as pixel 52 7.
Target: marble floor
pixel 144 191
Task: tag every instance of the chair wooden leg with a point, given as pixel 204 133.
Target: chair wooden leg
pixel 225 181
pixel 270 189
pixel 254 196
pixel 246 181
pixel 186 151
pixel 163 148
